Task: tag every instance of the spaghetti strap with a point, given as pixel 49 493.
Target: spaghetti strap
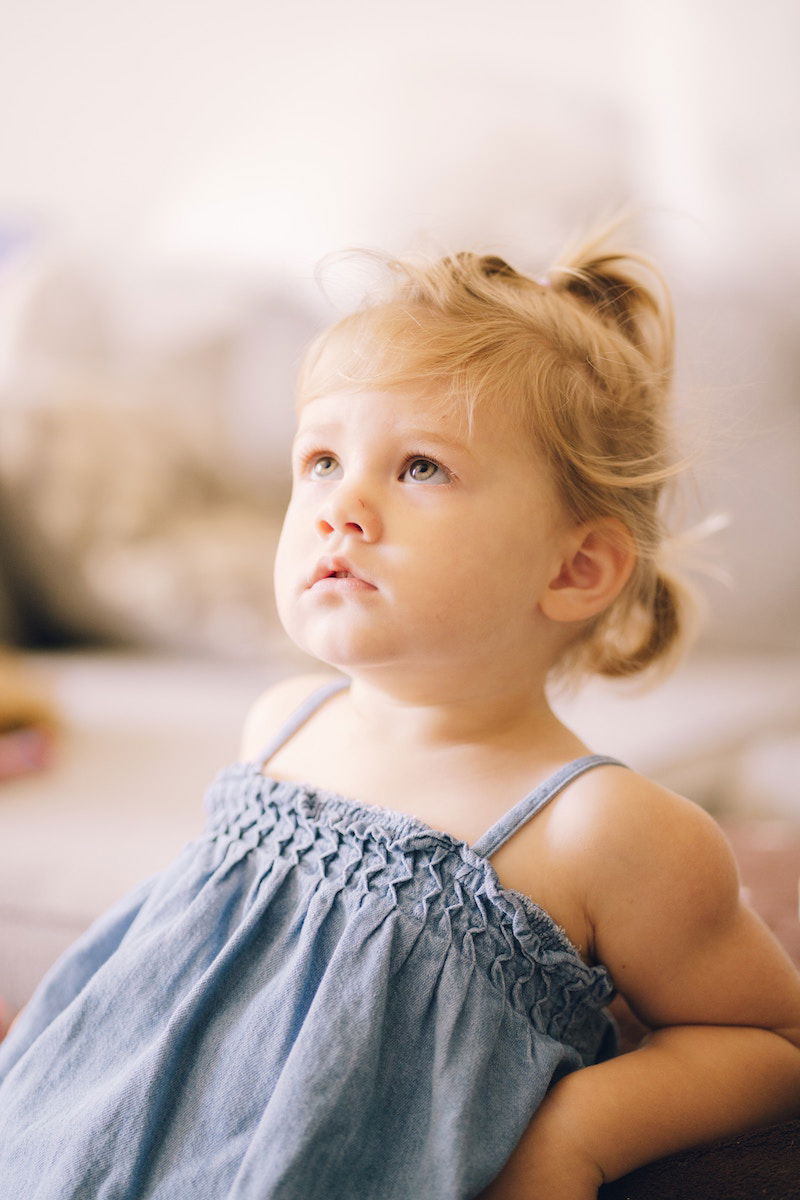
pixel 535 801
pixel 299 717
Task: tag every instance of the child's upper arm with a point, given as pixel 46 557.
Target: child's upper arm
pixel 271 709
pixel 669 923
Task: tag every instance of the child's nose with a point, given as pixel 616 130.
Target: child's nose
pixel 346 512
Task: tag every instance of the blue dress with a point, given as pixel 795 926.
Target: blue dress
pixel 318 1000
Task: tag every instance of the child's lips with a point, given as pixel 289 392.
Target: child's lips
pixel 346 583
pixel 336 574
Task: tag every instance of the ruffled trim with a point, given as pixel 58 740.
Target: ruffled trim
pixel 433 877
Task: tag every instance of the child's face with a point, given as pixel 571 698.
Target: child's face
pixel 406 543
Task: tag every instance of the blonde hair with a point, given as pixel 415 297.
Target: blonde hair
pixel 582 360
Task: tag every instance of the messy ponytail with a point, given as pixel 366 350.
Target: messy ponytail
pixel 615 448
pixel 581 358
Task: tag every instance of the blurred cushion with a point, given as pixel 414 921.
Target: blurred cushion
pixel 113 530
pixel 129 509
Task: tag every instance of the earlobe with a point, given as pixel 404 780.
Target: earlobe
pixel 597 562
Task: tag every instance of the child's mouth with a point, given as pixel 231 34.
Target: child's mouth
pixel 343 583
pixel 335 574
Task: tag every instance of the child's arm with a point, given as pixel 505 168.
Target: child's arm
pixel 697 967
pixel 687 1085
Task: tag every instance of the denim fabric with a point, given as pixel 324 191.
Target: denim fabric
pixel 317 1000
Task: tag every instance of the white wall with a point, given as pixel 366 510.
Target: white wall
pixel 283 130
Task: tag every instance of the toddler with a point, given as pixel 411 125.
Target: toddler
pixel 383 972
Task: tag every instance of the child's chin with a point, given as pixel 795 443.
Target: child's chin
pixel 341 658
pixel 337 643
pixel 343 654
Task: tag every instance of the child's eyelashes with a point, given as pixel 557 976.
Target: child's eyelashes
pixel 320 464
pixel 316 464
pixel 424 469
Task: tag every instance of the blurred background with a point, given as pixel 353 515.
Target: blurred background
pixel 173 171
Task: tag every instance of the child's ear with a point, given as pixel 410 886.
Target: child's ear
pixel 597 562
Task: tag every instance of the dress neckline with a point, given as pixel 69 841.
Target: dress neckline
pixel 407 831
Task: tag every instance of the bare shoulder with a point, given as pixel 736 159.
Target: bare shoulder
pixel 662 898
pixel 645 856
pixel 274 705
pixel 630 827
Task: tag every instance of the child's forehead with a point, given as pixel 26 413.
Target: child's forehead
pixel 406 410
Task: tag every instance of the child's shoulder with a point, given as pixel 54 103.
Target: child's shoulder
pixel 623 808
pixel 276 705
pixel 660 880
pixel 662 897
pixel 638 836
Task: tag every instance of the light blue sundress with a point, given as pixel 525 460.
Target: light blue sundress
pixel 318 1000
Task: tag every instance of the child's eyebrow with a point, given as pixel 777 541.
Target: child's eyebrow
pixel 407 432
pixel 430 435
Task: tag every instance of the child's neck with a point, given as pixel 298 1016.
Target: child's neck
pixel 434 713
